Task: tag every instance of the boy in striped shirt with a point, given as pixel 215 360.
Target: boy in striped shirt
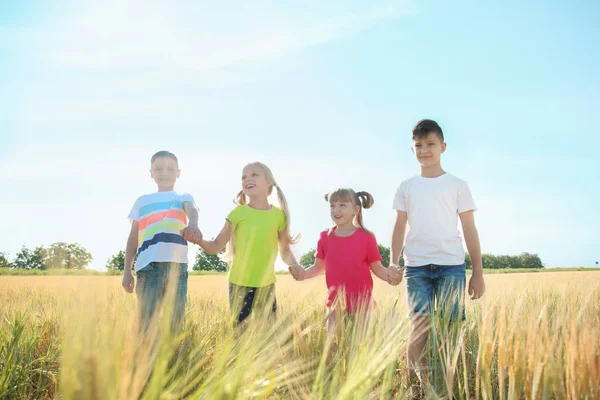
pixel 157 221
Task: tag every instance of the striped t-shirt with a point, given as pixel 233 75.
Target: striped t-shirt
pixel 160 218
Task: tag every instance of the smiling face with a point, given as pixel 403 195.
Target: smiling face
pixel 254 182
pixel 341 207
pixel 343 212
pixel 428 149
pixel 165 172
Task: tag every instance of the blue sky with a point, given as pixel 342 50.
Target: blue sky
pixel 325 94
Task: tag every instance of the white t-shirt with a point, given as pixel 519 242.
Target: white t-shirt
pixel 161 217
pixel 433 205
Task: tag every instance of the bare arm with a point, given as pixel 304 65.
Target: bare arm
pixel 398 237
pixel 379 270
pixel 285 251
pixel 130 251
pixel 391 275
pixel 218 244
pixel 192 213
pixel 476 283
pixel 191 231
pixel 316 269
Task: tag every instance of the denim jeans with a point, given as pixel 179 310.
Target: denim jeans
pixel 436 289
pixel 152 283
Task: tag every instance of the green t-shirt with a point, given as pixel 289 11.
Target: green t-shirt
pixel 255 245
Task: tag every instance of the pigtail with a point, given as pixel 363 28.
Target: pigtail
pixel 364 200
pixel 284 206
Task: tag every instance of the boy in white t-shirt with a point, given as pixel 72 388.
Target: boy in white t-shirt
pixel 432 203
pixel 157 223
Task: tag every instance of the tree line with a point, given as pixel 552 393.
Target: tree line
pixel 74 256
pixel 59 255
pixel 490 261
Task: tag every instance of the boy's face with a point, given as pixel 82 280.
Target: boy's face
pixel 254 182
pixel 428 149
pixel 165 172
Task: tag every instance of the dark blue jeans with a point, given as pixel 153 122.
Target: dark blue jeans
pixel 152 283
pixel 436 288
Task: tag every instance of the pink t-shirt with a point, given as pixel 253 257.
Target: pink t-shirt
pixel 348 265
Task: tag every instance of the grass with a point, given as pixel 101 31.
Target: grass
pixel 74 337
pixel 91 272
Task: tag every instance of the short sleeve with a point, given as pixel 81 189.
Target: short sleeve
pixel 134 214
pixel 282 222
pixel 321 246
pixel 235 216
pixel 465 199
pixel 372 250
pixel 186 197
pixel 400 198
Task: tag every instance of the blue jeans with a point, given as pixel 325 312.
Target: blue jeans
pixel 152 283
pixel 436 288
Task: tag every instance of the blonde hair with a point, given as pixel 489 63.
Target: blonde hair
pixel 361 199
pixel 240 199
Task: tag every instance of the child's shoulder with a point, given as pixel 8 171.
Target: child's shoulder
pixel 416 181
pixel 325 234
pixel 409 181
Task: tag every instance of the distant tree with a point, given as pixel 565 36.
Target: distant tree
pixel 209 262
pixel 4 263
pixel 489 261
pixel 596 262
pixel 117 261
pixel 468 262
pixel 528 260
pixel 68 256
pixel 307 259
pixel 28 259
pixel 385 255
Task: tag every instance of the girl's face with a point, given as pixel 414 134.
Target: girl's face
pixel 254 182
pixel 343 212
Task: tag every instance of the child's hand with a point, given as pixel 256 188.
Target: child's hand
pixel 128 282
pixel 395 275
pixel 476 286
pixel 297 272
pixel 191 233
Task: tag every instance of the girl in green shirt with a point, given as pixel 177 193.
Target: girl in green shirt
pixel 254 232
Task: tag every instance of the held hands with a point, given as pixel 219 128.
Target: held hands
pixel 191 233
pixel 128 282
pixel 297 272
pixel 394 274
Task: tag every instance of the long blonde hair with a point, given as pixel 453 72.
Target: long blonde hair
pixel 241 199
pixel 361 199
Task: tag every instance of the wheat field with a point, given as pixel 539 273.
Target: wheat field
pixel 532 336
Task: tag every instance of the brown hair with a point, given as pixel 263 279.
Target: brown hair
pixel 361 199
pixel 426 126
pixel 166 154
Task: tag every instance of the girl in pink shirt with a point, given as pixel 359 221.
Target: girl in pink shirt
pixel 348 253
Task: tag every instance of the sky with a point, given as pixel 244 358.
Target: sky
pixel 325 93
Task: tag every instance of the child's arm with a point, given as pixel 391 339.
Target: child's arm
pixel 476 283
pixel 191 231
pixel 301 274
pixel 132 245
pixel 398 237
pixel 390 275
pixel 285 251
pixel 218 244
